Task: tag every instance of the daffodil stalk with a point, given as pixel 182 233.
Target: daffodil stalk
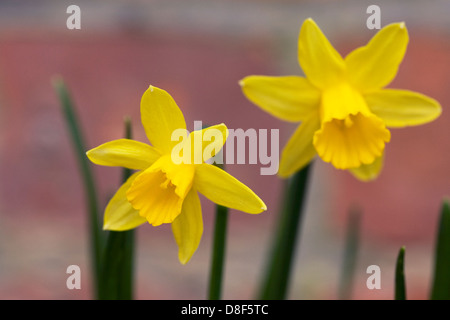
pixel 350 252
pixel 277 277
pixel 96 238
pixel 118 262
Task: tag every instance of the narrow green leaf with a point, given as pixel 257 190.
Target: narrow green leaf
pixel 400 283
pixel 218 254
pixel 73 126
pixel 277 276
pixel 441 280
pixel 117 276
pixel 350 253
pixel 118 266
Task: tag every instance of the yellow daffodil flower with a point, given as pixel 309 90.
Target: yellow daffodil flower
pixel 342 104
pixel 162 191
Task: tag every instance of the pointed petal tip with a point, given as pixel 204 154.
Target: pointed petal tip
pixel 241 82
pixel 284 171
pixel 90 154
pixel 183 261
pixel 401 28
pixel 90 151
pixel 107 227
pixel 399 25
pixel 438 109
pixel 309 22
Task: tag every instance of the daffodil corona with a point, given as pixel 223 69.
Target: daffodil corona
pixel 342 104
pixel 164 191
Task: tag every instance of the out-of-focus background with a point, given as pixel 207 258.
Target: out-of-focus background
pixel 198 51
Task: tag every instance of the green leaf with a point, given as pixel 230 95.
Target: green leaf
pixel 117 276
pixel 72 123
pixel 400 283
pixel 118 262
pixel 350 253
pixel 441 280
pixel 277 275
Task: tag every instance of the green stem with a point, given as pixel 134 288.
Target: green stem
pixel 218 255
pixel 400 284
pixel 351 249
pixel 118 267
pixel 217 266
pixel 276 280
pixel 88 180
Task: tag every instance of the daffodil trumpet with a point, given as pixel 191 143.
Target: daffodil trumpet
pixel 163 191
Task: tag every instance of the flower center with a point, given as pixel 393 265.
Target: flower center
pixel 350 135
pixel 159 191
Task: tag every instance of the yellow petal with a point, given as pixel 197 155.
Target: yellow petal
pixel 368 172
pixel 124 153
pixel 119 214
pixel 160 117
pixel 299 150
pixel 349 143
pixel 321 63
pixel 375 65
pixel 159 191
pixel 288 98
pixel 400 108
pixel 187 228
pixel 223 189
pixel 202 145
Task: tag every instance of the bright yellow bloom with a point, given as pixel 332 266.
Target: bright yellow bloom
pixel 162 191
pixel 341 104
